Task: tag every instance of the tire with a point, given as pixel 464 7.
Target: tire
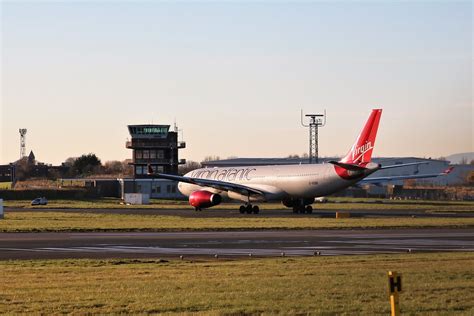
pixel 248 209
pixel 255 209
pixel 309 209
pixel 242 209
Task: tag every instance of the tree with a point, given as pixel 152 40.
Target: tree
pixel 127 167
pixel 86 165
pixel 188 166
pixel 211 158
pixel 114 167
pixel 69 162
pixel 23 169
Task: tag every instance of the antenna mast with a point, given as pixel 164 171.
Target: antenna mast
pixel 315 121
pixel 22 142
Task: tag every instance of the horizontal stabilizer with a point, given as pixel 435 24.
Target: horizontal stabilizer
pixel 347 166
pixel 375 180
pixel 405 165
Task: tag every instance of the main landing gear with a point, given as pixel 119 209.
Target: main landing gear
pixel 303 209
pixel 249 209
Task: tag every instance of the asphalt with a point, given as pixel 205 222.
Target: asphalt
pixel 319 211
pixel 232 244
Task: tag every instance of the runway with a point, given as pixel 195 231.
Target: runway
pixel 232 244
pixel 319 211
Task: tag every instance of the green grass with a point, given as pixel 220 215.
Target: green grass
pixel 77 221
pixel 103 203
pixel 434 284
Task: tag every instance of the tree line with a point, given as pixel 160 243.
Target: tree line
pixel 84 166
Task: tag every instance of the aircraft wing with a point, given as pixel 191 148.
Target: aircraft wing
pixel 405 164
pixel 219 185
pixel 395 178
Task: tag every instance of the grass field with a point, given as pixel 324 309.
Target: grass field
pixel 5 185
pixel 434 284
pixel 77 221
pixel 103 203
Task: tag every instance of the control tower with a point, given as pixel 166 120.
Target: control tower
pixel 154 145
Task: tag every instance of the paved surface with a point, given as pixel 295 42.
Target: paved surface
pixel 232 244
pixel 319 211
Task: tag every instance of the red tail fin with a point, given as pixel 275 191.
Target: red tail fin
pixel 361 151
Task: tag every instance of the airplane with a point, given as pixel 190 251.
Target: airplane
pixel 296 186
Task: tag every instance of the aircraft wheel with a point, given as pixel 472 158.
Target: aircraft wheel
pixel 242 209
pixel 248 209
pixel 295 209
pixel 309 209
pixel 255 209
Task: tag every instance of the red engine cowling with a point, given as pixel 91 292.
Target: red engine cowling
pixel 203 199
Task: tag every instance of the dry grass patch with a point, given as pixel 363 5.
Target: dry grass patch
pixel 434 284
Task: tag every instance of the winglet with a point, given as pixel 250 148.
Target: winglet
pixel 448 171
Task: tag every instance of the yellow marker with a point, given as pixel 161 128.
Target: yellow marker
pixel 394 288
pixel 343 215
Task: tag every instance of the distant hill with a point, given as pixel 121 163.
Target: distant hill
pixel 456 158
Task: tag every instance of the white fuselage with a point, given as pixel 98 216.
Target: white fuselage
pixel 277 182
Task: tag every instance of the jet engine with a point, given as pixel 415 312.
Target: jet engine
pixel 203 199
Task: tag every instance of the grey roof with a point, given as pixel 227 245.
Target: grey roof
pixel 294 161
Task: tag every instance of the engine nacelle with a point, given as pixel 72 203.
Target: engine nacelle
pixel 203 199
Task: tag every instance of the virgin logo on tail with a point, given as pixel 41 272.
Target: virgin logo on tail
pixel 361 151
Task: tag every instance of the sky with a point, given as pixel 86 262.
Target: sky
pixel 234 76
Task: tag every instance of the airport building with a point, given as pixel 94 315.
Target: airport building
pixel 154 145
pixel 153 188
pixel 7 173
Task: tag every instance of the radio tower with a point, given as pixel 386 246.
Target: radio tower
pixel 22 142
pixel 315 121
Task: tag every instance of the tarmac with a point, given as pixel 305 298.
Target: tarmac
pixel 319 211
pixel 232 244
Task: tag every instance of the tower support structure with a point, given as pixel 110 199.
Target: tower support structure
pixel 22 142
pixel 315 121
